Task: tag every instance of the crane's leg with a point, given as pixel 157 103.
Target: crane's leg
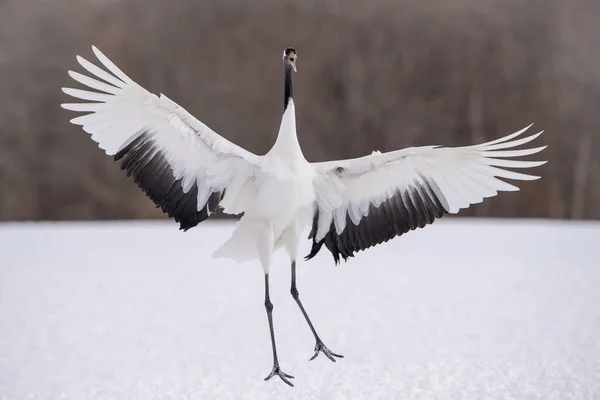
pixel 276 369
pixel 320 346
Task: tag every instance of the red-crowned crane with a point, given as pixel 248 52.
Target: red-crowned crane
pixel 189 171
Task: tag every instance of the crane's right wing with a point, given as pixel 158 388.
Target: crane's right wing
pixel 369 200
pixel 181 164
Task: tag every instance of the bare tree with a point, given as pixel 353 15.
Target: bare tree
pixel 372 75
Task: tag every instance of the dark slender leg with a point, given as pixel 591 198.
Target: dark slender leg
pixel 319 347
pixel 276 370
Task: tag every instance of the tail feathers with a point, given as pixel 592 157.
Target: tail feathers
pixel 241 246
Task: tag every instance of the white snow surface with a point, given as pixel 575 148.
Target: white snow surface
pixel 464 309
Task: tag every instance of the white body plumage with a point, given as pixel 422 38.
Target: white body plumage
pixel 280 205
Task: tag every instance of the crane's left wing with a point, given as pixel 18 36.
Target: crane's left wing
pixel 186 168
pixel 365 201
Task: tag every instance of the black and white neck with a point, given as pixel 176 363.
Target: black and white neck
pixel 289 86
pixel 289 66
pixel 287 144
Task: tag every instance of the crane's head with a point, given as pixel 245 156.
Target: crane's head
pixel 289 57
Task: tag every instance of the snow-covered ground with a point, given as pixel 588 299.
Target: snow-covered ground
pixel 464 309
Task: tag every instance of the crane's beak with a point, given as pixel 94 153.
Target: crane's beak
pixel 293 62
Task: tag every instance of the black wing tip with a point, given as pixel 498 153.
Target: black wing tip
pixel 187 224
pixel 316 247
pixel 336 257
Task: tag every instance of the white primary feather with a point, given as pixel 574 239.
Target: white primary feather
pixel 121 110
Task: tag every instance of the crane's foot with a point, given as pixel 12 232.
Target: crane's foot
pixel 277 371
pixel 320 347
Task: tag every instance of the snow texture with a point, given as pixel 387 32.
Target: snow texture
pixel 464 309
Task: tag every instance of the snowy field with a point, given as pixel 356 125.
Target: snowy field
pixel 465 309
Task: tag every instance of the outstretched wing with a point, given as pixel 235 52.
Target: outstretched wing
pixel 369 200
pixel 179 162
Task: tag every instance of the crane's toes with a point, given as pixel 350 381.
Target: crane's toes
pixel 320 347
pixel 284 377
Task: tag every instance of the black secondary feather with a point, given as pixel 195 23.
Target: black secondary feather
pixel 406 210
pixel 151 171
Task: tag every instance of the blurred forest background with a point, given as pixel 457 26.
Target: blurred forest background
pixel 377 74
